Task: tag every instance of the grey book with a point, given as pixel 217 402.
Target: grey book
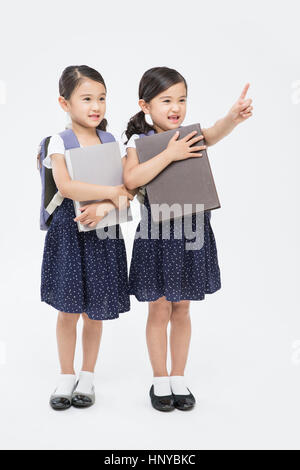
pixel 98 164
pixel 184 183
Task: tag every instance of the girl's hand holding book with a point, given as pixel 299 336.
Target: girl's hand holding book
pixel 181 149
pixel 91 214
pixel 120 196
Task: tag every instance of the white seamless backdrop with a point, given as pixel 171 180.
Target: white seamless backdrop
pixel 244 362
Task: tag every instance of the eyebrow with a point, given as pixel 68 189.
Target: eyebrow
pixel 90 94
pixel 162 97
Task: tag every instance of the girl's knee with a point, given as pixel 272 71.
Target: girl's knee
pixel 160 310
pixel 68 318
pixel 88 321
pixel 180 310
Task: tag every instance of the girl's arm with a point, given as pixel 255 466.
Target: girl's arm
pixel 133 192
pixel 93 213
pixel 240 111
pixel 79 191
pixel 138 174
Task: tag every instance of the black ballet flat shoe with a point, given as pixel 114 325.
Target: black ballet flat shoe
pixel 60 402
pixel 184 402
pixel 161 403
pixel 83 400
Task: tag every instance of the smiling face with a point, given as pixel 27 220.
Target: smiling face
pixel 87 104
pixel 168 109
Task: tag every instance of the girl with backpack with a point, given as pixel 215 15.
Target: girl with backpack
pixel 82 274
pixel 162 271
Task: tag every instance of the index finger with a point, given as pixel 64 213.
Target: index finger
pixel 244 92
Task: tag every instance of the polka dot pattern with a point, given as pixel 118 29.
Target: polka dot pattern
pixel 81 272
pixel 164 267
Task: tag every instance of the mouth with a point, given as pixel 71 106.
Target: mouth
pixel 174 118
pixel 95 117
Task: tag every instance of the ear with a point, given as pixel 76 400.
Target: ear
pixel 144 106
pixel 63 103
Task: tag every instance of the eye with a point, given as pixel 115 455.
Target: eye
pixel 183 100
pixel 102 99
pixel 86 99
pixel 166 101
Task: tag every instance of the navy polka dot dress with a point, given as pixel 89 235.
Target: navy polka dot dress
pixel 81 272
pixel 163 267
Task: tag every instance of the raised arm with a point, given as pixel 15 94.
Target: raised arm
pixel 239 112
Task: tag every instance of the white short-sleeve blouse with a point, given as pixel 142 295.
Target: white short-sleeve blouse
pixel 56 145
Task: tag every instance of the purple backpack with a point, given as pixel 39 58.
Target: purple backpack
pixel 148 133
pixel 51 197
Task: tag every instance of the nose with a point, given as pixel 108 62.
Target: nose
pixel 175 107
pixel 96 106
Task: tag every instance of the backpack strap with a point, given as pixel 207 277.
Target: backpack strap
pixel 148 133
pixel 55 201
pixel 105 137
pixel 70 139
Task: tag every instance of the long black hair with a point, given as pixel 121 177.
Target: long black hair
pixel 72 76
pixel 153 82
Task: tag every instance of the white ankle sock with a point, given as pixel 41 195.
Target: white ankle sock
pixel 85 381
pixel 178 387
pixel 161 386
pixel 65 384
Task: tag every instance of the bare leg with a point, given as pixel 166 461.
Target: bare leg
pixel 91 337
pixel 180 336
pixel 66 340
pixel 156 334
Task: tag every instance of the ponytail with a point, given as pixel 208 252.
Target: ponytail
pixel 137 125
pixel 103 125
